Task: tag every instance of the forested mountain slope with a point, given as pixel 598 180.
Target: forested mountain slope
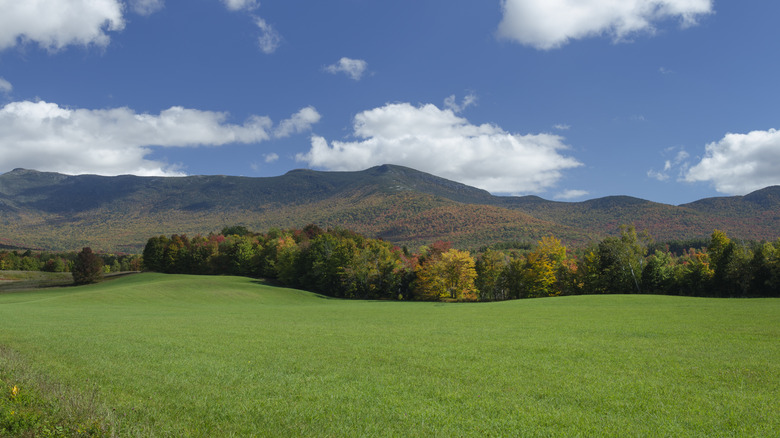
pixel 55 211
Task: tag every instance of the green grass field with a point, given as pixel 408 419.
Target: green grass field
pixel 170 355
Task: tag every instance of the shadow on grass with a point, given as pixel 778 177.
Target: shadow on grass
pixel 276 284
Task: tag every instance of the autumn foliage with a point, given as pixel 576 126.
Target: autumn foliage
pixel 341 263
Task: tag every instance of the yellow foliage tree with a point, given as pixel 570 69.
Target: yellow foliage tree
pixel 543 267
pixel 551 248
pixel 459 275
pixel 539 276
pixel 429 281
pixel 450 276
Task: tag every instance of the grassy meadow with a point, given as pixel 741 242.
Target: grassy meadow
pixel 168 355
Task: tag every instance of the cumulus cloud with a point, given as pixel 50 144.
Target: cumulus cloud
pixel 451 103
pixel 54 24
pixel 439 142
pixel 46 136
pixel 354 68
pixel 562 127
pixel 237 5
pixel 270 158
pixel 5 86
pixel 740 163
pixel 299 122
pixel 269 38
pixel 550 24
pixel 146 7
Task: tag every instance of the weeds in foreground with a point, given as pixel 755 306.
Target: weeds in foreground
pixel 32 406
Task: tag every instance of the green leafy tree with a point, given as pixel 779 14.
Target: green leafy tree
pixel 489 267
pixel 375 270
pixel 154 253
pixel 621 261
pixel 242 254
pixel 88 268
pixel 322 262
pixel 658 273
pixel 287 254
pixel 512 280
pixel 761 266
pixel 235 230
pixel 693 274
pixel 773 263
pixel 731 263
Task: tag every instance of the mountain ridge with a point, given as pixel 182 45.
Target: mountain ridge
pixel 55 211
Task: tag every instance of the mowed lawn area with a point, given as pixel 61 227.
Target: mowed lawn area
pixel 171 355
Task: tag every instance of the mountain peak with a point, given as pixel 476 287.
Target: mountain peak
pixel 766 197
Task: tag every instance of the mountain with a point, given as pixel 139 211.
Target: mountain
pixel 61 212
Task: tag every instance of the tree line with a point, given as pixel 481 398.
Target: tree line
pixel 29 260
pixel 341 263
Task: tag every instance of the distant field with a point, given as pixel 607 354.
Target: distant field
pixel 17 280
pixel 225 356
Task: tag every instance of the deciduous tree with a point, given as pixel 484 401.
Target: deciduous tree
pixel 88 267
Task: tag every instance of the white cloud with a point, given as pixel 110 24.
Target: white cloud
pixel 354 68
pixel 269 39
pixel 54 24
pixel 549 24
pixel 660 176
pixel 681 156
pixel 571 194
pixel 45 136
pixel 679 162
pixel 270 158
pixel 146 7
pixel 439 142
pixel 740 163
pixel 452 104
pixel 5 86
pixel 562 127
pixel 237 5
pixel 298 122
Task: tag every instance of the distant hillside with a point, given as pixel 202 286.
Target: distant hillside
pixel 54 211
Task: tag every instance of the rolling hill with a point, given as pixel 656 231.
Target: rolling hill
pixel 61 212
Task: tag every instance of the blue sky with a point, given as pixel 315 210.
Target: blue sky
pixel 667 100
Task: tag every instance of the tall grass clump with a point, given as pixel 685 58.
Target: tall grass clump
pixel 31 405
